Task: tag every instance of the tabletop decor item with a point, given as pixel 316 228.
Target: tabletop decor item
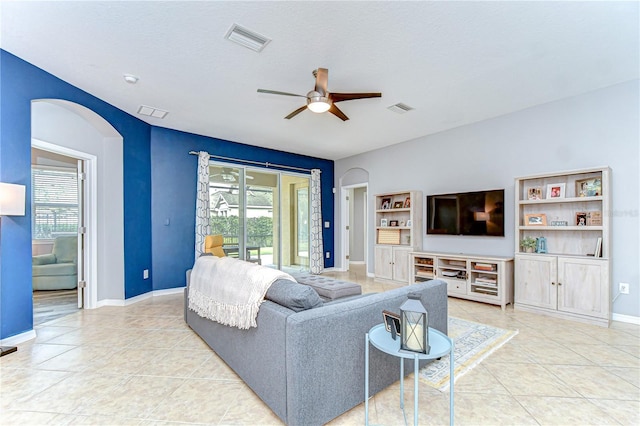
pixel 414 325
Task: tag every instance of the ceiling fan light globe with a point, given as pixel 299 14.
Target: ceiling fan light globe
pixel 318 104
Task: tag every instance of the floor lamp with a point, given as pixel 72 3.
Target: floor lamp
pixel 12 203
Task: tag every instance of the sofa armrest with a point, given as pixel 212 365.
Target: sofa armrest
pixel 44 259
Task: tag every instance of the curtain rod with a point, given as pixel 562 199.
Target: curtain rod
pixel 265 164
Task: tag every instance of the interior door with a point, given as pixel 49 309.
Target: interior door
pixel 82 232
pixel 347 229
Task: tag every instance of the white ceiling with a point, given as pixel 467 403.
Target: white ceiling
pixel 454 62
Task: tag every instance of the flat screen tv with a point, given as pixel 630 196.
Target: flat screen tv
pixel 466 213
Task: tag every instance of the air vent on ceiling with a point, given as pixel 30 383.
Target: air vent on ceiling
pixel 247 38
pixel 400 108
pixel 152 112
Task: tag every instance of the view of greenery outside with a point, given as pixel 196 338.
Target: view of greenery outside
pixel 259 229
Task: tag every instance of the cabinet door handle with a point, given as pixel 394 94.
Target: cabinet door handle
pixel 559 284
pixel 552 283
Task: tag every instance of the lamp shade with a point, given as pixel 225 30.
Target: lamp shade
pixel 12 199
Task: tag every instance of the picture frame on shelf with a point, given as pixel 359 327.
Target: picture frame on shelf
pixel 594 218
pixel 393 223
pixel 398 204
pixel 581 218
pixel 589 187
pixel 407 202
pixel 391 323
pixel 535 219
pixel 385 204
pixel 534 193
pixel 555 190
pixel 383 222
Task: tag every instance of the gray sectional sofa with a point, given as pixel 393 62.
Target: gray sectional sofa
pixel 307 365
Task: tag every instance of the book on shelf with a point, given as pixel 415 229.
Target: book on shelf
pixel 598 251
pixel 485 267
pixel 460 263
pixel 425 274
pixel 488 280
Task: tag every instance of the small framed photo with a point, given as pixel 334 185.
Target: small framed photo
pixel 398 205
pixel 581 219
pixel 407 202
pixel 393 223
pixel 535 219
pixel 534 193
pixel 594 218
pixel 386 204
pixel 409 223
pixel 383 222
pixel 391 323
pixel 555 190
pixel 589 187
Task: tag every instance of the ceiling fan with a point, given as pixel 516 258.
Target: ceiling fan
pixel 320 99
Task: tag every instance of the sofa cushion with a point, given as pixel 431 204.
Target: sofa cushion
pixel 55 269
pixel 292 295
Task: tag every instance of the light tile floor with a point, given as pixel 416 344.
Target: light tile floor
pixel 141 365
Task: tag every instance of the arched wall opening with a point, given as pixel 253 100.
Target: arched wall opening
pixel 70 129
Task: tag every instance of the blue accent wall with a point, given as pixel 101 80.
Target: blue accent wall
pixel 174 174
pixel 21 83
pixel 159 184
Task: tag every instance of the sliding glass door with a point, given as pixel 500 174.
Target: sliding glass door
pixel 263 215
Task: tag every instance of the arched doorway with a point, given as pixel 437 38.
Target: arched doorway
pixel 73 130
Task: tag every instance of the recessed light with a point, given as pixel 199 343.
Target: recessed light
pixel 152 112
pixel 130 78
pixel 400 108
pixel 247 38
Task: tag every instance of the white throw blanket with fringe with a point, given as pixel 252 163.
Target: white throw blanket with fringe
pixel 230 291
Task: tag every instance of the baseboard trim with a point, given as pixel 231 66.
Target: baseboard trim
pixel 139 298
pixel 356 262
pixel 626 318
pixel 18 338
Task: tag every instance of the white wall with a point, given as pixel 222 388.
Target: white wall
pixel 600 128
pixel 53 123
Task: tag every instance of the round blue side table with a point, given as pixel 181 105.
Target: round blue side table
pixel 381 339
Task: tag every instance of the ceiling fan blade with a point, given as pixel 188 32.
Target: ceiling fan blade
pixel 296 112
pixel 339 97
pixel 275 92
pixel 336 111
pixel 322 78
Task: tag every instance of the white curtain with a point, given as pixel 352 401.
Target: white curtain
pixel 316 264
pixel 203 228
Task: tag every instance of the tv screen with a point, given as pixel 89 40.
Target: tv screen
pixel 466 213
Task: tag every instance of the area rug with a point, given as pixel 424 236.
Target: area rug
pixel 472 342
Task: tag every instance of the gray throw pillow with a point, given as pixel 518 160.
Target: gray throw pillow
pixel 292 295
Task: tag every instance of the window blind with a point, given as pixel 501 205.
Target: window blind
pixel 55 202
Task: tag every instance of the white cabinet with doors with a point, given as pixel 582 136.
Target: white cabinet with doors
pixel 398 232
pixel 391 263
pixel 568 275
pixel 567 286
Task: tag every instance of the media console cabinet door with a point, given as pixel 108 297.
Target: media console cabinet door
pixel 536 281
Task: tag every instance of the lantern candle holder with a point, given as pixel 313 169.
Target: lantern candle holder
pixel 414 324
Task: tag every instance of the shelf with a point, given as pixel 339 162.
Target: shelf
pixel 404 209
pixel 393 227
pixel 559 228
pixel 562 200
pixel 465 280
